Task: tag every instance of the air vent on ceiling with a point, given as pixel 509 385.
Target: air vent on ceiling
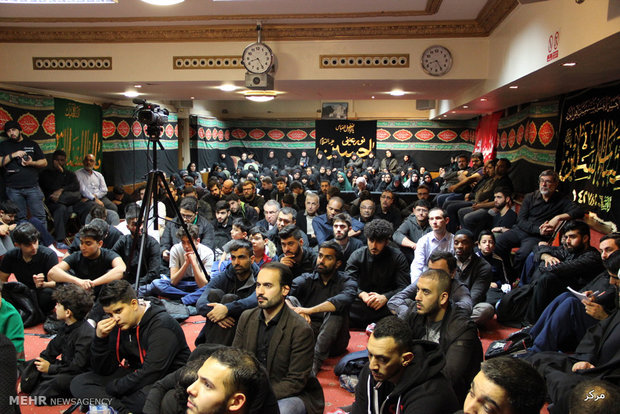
pixel 72 63
pixel 207 62
pixel 364 61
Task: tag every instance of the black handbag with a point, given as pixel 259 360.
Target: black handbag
pixel 30 377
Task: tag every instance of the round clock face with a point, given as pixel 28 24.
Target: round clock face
pixel 436 60
pixel 257 58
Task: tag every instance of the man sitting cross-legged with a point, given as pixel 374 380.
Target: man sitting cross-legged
pixel 437 320
pixel 186 275
pixel 380 270
pixel 227 295
pixel 30 264
pixel 91 267
pixel 323 299
pixel 137 345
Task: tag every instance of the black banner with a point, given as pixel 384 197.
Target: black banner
pixel 346 137
pixel 589 152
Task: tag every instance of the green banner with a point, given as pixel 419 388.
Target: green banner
pixel 78 131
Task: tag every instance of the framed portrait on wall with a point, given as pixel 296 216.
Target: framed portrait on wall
pixel 334 110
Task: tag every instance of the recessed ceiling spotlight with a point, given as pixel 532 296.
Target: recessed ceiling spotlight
pixel 453 112
pixel 445 116
pixel 465 106
pixel 137 86
pixel 372 97
pixel 483 99
pixel 163 2
pixel 513 87
pixel 192 97
pixel 569 64
pixel 228 87
pixel 397 92
pixel 131 94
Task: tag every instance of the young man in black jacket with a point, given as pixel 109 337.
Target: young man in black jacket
pixel 402 375
pixel 436 320
pixel 137 345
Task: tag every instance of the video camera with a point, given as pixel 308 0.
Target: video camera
pixel 150 114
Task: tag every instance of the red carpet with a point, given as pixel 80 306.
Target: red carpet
pixel 335 396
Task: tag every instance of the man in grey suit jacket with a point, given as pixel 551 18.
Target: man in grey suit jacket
pixel 282 341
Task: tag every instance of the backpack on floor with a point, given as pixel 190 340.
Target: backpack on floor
pixel 25 302
pixel 512 308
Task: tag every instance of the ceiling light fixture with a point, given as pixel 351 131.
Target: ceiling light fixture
pixel 260 96
pixel 397 92
pixel 163 2
pixel 513 87
pixel 569 64
pixel 137 86
pixel 58 1
pixel 228 87
pixel 483 99
pixel 131 94
pixel 465 106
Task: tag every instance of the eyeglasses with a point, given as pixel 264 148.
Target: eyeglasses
pixel 187 216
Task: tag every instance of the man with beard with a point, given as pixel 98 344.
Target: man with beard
pixel 231 381
pixel 323 299
pixel 414 227
pixel 221 226
pixel 227 295
pixel 388 211
pixel 251 198
pixel 342 226
pixel 282 341
pixel 306 217
pixel 540 214
pixel 367 209
pixel 436 320
pixel 380 271
pixel 22 159
pixel 294 255
pixel 241 210
pixel 475 273
pixel 597 356
pixel 215 192
pixel 62 192
pixel 402 303
pixel 323 224
pixel 574 264
pixel 567 318
pixel 286 217
pixel 402 375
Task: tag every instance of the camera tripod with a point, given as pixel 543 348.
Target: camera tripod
pixel 154 178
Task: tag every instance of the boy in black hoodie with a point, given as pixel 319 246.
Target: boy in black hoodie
pixel 403 376
pixel 139 344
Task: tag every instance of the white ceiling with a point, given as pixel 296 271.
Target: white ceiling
pixel 596 64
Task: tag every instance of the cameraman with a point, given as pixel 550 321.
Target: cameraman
pixel 21 159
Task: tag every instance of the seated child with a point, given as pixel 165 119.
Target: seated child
pixel 71 344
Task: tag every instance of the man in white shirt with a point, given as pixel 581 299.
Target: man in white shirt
pixel 438 239
pixel 93 188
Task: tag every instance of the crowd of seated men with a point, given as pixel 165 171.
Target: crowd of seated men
pixel 282 267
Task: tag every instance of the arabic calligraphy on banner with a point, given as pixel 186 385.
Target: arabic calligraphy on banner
pixel 589 154
pixel 346 137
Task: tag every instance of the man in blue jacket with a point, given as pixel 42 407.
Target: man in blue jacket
pixel 227 295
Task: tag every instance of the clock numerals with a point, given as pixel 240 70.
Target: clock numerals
pixel 257 58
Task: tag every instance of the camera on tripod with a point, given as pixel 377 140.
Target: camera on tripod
pixel 150 114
